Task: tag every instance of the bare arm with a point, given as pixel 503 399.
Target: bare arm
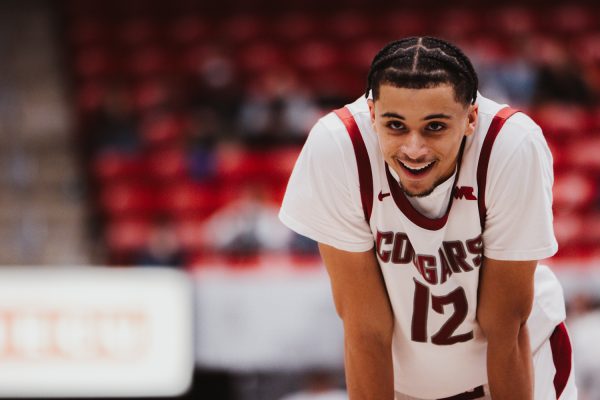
pixel 362 302
pixel 505 301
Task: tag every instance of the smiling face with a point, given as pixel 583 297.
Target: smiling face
pixel 420 132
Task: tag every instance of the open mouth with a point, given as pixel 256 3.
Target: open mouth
pixel 417 171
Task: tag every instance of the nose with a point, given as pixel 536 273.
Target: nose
pixel 414 146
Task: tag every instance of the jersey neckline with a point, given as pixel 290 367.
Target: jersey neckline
pixel 402 202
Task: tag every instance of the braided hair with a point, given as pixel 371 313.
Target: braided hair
pixel 423 62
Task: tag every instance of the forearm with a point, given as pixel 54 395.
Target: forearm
pixel 510 368
pixel 362 303
pixel 368 365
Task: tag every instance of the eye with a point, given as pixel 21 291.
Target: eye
pixel 395 125
pixel 436 126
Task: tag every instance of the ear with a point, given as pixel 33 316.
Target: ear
pixel 371 110
pixel 472 119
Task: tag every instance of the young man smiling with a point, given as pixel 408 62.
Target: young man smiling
pixel 431 205
pixel 425 155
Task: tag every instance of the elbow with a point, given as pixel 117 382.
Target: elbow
pixel 509 334
pixel 371 323
pixel 375 335
pixel 374 329
pixel 504 320
pixel 505 330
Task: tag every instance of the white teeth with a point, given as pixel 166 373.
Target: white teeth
pixel 418 168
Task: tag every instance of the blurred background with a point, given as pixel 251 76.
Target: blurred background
pixel 143 134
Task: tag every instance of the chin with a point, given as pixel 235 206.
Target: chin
pixel 417 193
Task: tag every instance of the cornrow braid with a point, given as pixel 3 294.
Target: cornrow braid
pixel 423 62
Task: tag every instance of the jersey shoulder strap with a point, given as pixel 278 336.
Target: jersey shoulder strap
pixel 484 158
pixel 365 175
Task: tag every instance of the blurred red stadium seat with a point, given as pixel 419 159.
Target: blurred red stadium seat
pixel 129 199
pixel 347 27
pixel 136 32
pixel 190 59
pixel 282 161
pixel 235 164
pixel 584 154
pixel 360 55
pixel 396 24
pixel 111 167
pixel 260 57
pixel 90 96
pixel 126 236
pixel 94 62
pixel 592 228
pixel 578 235
pixel 191 200
pixel 149 94
pixel 459 23
pixel 315 55
pixel 242 28
pixel 573 191
pixel 568 228
pixel 486 49
pixel 294 28
pixel 190 232
pixel 562 120
pixel 163 129
pixel 148 61
pixel 271 168
pixel 167 165
pixel 340 84
pixel 512 20
pixel 89 32
pixel 587 48
pixel 187 30
pixel 561 163
pixel 569 18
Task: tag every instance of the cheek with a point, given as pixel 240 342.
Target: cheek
pixel 448 151
pixel 390 147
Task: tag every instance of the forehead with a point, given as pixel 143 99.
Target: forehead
pixel 437 99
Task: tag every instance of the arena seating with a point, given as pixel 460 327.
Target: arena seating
pixel 153 55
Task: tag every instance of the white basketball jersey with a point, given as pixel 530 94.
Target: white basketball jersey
pixel 431 265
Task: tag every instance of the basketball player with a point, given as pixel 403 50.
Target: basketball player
pixel 431 205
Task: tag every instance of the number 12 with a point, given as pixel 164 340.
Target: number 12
pixel 445 336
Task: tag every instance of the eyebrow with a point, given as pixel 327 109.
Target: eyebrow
pixel 431 116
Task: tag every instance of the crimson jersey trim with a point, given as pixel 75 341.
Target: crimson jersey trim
pixel 365 175
pixel 432 224
pixel 561 355
pixel 484 158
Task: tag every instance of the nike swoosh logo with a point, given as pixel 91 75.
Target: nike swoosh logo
pixel 382 195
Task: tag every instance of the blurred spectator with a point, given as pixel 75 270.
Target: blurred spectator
pixel 206 131
pixel 163 247
pixel 247 225
pixel 559 78
pixel 223 87
pixel 319 385
pixel 114 125
pixel 505 72
pixel 584 326
pixel 517 74
pixel 276 110
pixel 215 89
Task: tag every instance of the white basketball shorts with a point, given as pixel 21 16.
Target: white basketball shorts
pixel 553 370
